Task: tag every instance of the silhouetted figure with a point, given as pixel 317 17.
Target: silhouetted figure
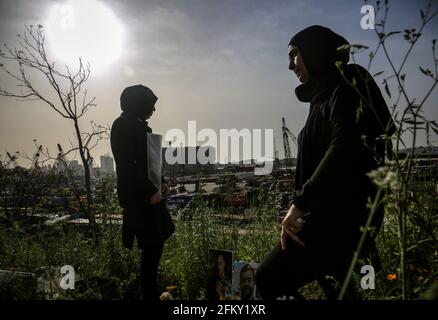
pixel 138 196
pixel 322 228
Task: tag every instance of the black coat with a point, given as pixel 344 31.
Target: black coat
pixel 334 156
pixel 134 189
pixel 337 146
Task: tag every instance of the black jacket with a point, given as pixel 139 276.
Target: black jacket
pixel 333 158
pixel 129 147
pixel 337 146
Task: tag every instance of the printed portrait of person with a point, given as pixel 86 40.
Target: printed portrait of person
pixel 247 282
pixel 244 286
pixel 219 287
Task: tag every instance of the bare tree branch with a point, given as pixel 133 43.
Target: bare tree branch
pixel 70 102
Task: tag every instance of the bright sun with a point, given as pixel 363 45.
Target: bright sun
pixel 87 29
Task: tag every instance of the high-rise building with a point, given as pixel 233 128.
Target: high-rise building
pixel 76 168
pixel 107 164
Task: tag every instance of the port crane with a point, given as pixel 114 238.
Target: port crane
pixel 286 135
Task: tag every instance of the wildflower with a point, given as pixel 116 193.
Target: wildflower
pixel 391 276
pixel 384 177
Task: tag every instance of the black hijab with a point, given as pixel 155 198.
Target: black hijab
pixel 320 49
pixel 137 101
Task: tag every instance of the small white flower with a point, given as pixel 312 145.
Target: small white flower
pixel 384 177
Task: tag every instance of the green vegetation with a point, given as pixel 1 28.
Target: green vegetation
pixel 407 242
pixel 106 270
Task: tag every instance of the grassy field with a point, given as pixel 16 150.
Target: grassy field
pixel 106 270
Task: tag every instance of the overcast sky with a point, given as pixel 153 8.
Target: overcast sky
pixel 221 63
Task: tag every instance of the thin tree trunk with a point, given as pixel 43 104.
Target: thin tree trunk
pixel 89 210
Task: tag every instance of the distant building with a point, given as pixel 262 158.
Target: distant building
pixel 106 164
pixel 187 160
pixel 420 152
pixel 59 166
pixel 47 168
pixel 76 168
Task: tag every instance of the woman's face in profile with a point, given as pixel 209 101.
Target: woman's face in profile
pixel 296 64
pixel 148 115
pixel 220 264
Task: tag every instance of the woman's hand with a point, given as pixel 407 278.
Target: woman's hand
pixel 164 189
pixel 156 198
pixel 291 224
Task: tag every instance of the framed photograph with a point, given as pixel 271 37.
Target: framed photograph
pixel 244 286
pixel 220 274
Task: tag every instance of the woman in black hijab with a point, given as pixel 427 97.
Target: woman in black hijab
pixel 337 146
pixel 138 196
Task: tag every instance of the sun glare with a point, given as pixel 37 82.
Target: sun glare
pixel 86 29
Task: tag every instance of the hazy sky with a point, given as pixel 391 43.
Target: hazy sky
pixel 221 63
